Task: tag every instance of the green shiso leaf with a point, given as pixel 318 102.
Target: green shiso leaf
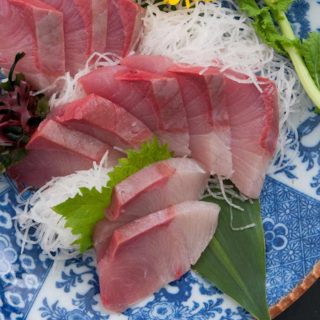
pixel 149 153
pixel 84 210
pixel 235 260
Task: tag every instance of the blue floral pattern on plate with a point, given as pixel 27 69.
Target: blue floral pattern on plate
pixel 32 287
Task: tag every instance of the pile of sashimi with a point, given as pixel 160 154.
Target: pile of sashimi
pixel 139 127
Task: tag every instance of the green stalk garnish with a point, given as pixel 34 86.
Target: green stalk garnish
pixel 272 26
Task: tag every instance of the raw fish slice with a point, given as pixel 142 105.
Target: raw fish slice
pixel 204 103
pixel 57 151
pixel 77 25
pixel 99 25
pixel 52 135
pixel 36 29
pixel 156 187
pixel 153 188
pixel 103 82
pixel 105 121
pixel 254 119
pixel 40 166
pixel 159 65
pixel 209 127
pixel 165 93
pixel 246 121
pixel 124 26
pixel 153 64
pixel 103 231
pixel 152 251
pixel 155 100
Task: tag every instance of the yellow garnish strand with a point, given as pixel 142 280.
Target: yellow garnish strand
pixel 172 2
pixel 188 4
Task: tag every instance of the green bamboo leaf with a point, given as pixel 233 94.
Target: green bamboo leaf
pixel 235 260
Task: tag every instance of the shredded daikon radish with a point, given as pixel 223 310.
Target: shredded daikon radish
pixel 38 223
pixel 208 35
pixel 217 189
pixel 248 226
pixel 66 88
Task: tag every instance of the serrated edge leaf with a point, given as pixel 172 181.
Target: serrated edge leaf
pixel 149 153
pixel 264 26
pixel 310 49
pixel 279 5
pixel 250 7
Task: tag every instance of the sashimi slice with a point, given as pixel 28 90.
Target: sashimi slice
pixel 165 93
pixel 103 231
pixel 204 101
pixel 124 26
pixel 254 119
pixel 77 23
pixel 105 121
pixel 99 25
pixel 152 251
pixel 36 29
pixel 151 189
pixel 170 90
pixel 103 82
pixel 155 100
pixel 40 166
pixel 154 64
pixel 57 151
pixel 156 187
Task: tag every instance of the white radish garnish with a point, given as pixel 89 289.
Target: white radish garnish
pixel 49 227
pixel 208 35
pixel 66 89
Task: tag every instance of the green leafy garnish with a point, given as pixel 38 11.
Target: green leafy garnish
pixel 84 210
pixel 267 31
pixel 9 157
pixel 20 114
pixel 272 26
pixel 279 5
pixel 235 260
pixel 10 84
pixel 310 50
pixel 149 153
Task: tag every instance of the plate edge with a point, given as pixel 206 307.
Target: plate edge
pixel 296 293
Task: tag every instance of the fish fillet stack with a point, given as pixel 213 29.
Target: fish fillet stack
pixel 231 128
pixel 60 35
pixel 155 227
pixel 154 230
